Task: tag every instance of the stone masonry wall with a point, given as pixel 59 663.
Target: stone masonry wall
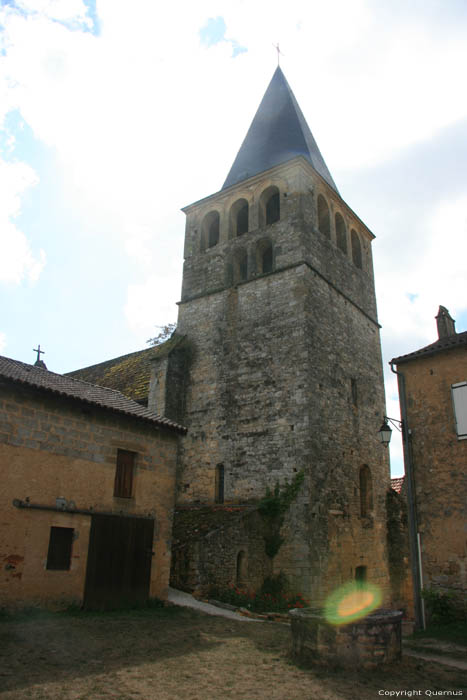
pixel 287 376
pixel 439 460
pixel 210 563
pixel 51 448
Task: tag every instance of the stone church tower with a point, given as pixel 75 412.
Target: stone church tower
pixel 278 307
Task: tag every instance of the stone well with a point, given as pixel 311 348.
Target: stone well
pixel 366 643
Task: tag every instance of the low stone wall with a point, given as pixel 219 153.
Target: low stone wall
pixel 367 643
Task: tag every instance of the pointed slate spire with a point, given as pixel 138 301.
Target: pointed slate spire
pixel 277 134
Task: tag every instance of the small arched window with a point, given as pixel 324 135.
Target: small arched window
pixel 270 206
pixel 264 256
pixel 240 265
pixel 241 569
pixel 366 491
pixel 219 484
pixel 356 249
pixel 239 218
pixel 324 219
pixel 210 230
pixel 341 233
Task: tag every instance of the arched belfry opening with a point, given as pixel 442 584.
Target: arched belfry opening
pixel 324 219
pixel 264 256
pixel 210 230
pixel 269 206
pixel 240 265
pixel 356 249
pixel 239 218
pixel 341 233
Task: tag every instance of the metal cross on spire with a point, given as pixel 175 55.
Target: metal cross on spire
pixel 279 53
pixel 39 352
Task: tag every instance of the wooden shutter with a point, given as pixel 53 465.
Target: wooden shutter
pixel 60 544
pixel 124 474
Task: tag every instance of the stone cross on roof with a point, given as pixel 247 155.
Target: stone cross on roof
pixel 39 362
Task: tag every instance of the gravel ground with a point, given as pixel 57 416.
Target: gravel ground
pixel 180 653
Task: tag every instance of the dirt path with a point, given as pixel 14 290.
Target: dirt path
pixel 187 601
pixel 178 653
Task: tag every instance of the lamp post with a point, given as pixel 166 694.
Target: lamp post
pixel 384 434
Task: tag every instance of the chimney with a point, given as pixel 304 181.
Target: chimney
pixel 446 324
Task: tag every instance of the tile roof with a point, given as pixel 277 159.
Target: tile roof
pixel 448 343
pixel 108 399
pixel 397 483
pixel 130 373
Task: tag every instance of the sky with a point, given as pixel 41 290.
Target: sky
pixel 114 115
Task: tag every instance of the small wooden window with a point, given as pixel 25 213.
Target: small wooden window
pixel 60 544
pixel 123 487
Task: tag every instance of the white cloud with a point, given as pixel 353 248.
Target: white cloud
pixel 17 260
pixel 151 304
pixel 143 119
pixel 434 273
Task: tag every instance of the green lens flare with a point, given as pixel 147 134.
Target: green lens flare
pixel 351 602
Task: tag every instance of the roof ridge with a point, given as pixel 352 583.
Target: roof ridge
pixel 446 343
pixel 112 359
pixel 104 397
pixel 67 377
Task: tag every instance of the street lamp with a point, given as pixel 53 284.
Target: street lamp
pixel 385 431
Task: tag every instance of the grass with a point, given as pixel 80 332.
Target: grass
pixel 153 607
pixel 455 632
pixel 172 652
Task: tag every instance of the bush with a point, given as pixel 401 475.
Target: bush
pixel 441 606
pixel 260 601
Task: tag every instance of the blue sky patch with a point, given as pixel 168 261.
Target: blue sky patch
pixel 213 31
pixel 237 49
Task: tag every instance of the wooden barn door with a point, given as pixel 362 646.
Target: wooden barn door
pixel 119 562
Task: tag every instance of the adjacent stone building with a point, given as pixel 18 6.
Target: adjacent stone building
pixel 88 485
pixel 275 369
pixel 433 387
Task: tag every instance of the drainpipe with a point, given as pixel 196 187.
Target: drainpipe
pixel 414 538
